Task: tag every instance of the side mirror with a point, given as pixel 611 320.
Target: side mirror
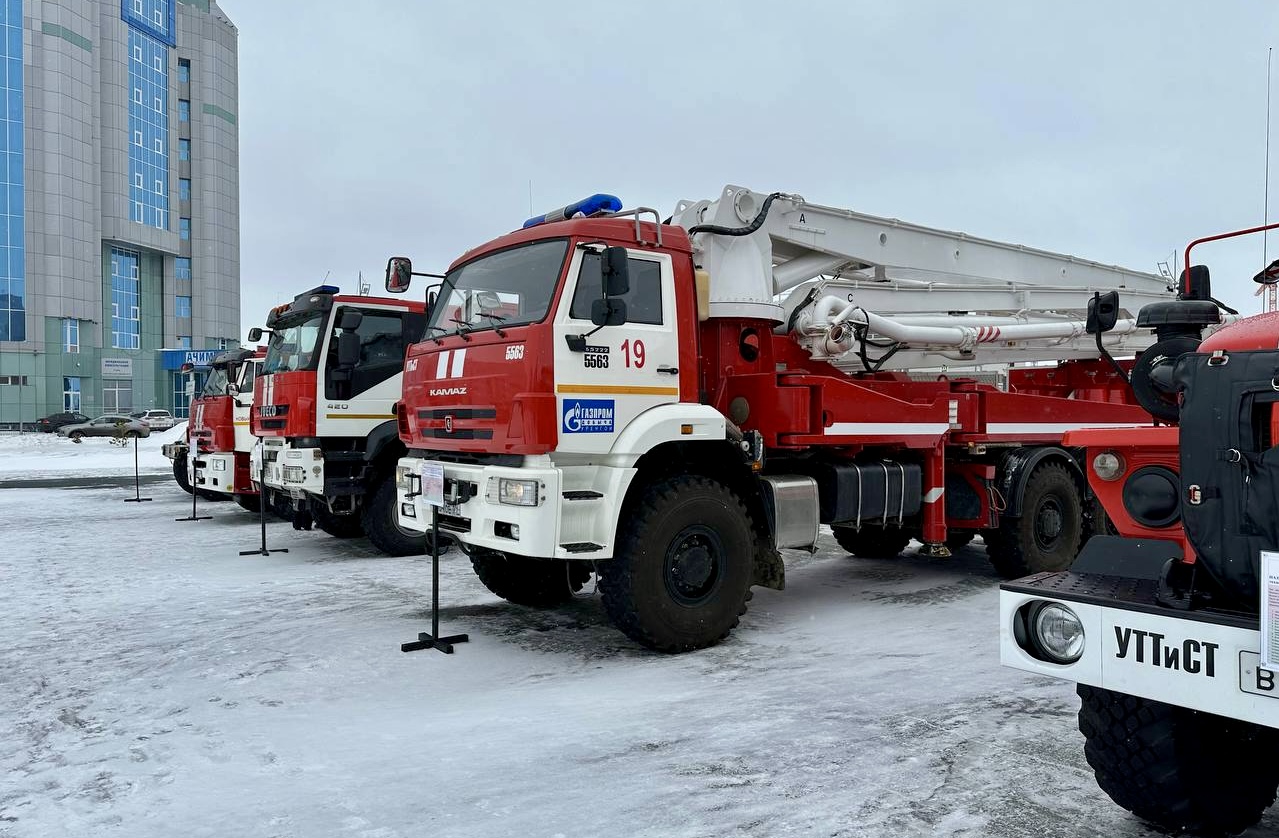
pixel 348 350
pixel 617 277
pixel 255 334
pixel 1103 312
pixel 399 274
pixel 610 312
pixel 232 390
pixel 350 319
pixel 487 301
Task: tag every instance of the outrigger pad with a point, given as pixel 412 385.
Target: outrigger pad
pixel 1229 465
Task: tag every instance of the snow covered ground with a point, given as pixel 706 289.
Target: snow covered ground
pixel 45 455
pixel 153 682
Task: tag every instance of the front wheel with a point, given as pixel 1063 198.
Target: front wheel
pixel 680 576
pixel 1181 769
pixel 1049 533
pixel 538 583
pixel 381 521
pixel 180 472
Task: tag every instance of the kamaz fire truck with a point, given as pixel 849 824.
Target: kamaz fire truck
pixel 668 404
pixel 1160 626
pixel 322 412
pixel 218 431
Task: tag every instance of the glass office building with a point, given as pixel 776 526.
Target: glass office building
pixel 119 201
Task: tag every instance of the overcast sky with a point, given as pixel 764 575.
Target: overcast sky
pixel 1114 131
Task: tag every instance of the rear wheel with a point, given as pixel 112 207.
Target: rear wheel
pixel 1178 768
pixel 680 576
pixel 872 542
pixel 380 519
pixel 338 526
pixel 534 582
pixel 1049 532
pixel 180 472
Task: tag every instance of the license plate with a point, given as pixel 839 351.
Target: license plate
pixel 1253 679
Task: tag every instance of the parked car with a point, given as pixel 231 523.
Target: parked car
pixel 109 425
pixel 156 420
pixel 53 421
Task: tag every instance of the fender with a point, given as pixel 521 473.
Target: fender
pixel 666 423
pixel 1019 463
pixel 385 434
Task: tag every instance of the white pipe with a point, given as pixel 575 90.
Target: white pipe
pixel 966 337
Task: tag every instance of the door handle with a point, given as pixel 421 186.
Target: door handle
pixel 669 370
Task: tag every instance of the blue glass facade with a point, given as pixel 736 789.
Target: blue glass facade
pixel 182 307
pixel 182 267
pixel 126 313
pixel 148 130
pixel 153 17
pixel 13 318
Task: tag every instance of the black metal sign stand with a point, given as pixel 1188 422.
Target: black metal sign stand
pixel 262 503
pixel 194 493
pixel 433 639
pixel 137 482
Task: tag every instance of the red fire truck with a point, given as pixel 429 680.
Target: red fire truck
pixel 322 410
pixel 668 404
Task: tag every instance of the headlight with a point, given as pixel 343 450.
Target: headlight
pixel 1152 497
pixel 517 492
pixel 1108 465
pixel 1056 633
pixel 219 465
pixel 402 477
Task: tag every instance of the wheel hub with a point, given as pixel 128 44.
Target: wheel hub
pixel 693 565
pixel 1048 523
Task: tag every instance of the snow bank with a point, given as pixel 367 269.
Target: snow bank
pixel 34 455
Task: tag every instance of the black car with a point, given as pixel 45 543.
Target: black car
pixel 56 420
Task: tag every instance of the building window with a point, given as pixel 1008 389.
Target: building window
pixel 184 385
pixel 117 395
pixel 13 315
pixel 182 307
pixel 184 341
pixel 70 335
pixel 13 381
pixel 148 123
pixel 71 394
pixel 184 189
pixel 182 267
pixel 184 71
pixel 184 149
pixel 126 315
pixel 184 229
pixel 184 110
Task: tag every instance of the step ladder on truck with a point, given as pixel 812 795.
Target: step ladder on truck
pixel 668 404
pixel 1167 627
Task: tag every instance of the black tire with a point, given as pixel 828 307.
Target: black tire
pixel 959 539
pixel 380 521
pixel 872 542
pixel 538 583
pixel 338 526
pixel 252 503
pixel 180 472
pixel 1049 533
pixel 681 573
pixel 1180 769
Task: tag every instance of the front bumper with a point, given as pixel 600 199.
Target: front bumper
pixel 298 472
pixel 574 518
pixel 173 450
pixel 214 472
pixel 1193 659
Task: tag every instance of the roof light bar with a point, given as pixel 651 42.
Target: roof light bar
pixel 585 207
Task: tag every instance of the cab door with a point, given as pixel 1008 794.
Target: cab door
pixel 624 370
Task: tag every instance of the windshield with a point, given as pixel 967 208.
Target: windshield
pixel 295 347
pixel 508 288
pixel 215 384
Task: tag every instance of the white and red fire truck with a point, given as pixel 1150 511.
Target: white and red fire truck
pixel 322 412
pixel 1161 625
pixel 668 404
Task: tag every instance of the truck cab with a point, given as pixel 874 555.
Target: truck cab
pixel 322 412
pixel 219 428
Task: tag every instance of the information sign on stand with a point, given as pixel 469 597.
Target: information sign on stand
pixel 432 492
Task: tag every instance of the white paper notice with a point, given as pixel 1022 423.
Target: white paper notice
pixel 1270 610
pixel 433 484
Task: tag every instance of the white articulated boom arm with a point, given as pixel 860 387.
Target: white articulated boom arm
pixel 850 286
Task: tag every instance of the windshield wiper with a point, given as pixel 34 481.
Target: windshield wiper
pixel 438 340
pixel 497 322
pixel 463 328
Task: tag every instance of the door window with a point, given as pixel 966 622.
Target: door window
pixel 643 301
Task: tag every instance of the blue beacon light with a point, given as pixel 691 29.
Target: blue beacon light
pixel 586 207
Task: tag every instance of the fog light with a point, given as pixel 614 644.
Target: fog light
pixel 515 530
pixel 1108 465
pixel 517 492
pixel 1057 633
pixel 219 465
